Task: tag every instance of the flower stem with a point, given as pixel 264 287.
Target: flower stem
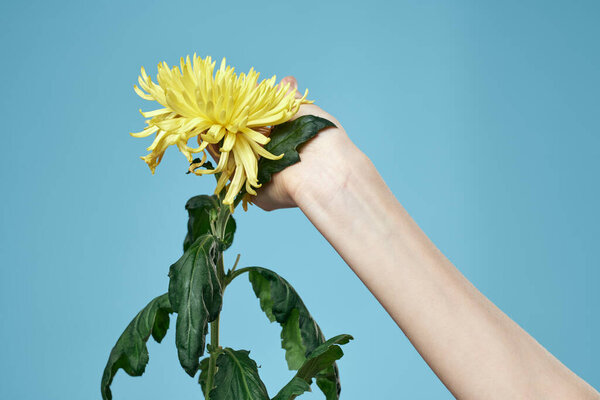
pixel 237 260
pixel 212 362
pixel 235 273
pixel 219 230
pixel 214 335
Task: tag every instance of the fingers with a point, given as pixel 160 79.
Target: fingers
pixel 304 108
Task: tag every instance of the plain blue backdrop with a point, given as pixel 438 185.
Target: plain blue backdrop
pixel 481 116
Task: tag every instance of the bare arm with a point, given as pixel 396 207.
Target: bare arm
pixel 472 346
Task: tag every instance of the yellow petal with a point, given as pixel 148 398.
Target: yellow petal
pixel 229 141
pixel 150 114
pixel 255 136
pixel 146 132
pixel 258 149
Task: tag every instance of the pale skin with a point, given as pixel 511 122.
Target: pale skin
pixel 475 349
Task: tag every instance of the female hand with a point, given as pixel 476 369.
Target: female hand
pixel 323 159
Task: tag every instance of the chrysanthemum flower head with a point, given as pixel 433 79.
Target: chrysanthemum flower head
pixel 219 108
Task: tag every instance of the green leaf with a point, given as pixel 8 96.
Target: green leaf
pixel 196 296
pixel 229 230
pixel 300 334
pixel 237 377
pixel 319 363
pixel 199 223
pixel 280 301
pixel 130 352
pixel 294 388
pixel 286 138
pixel 198 208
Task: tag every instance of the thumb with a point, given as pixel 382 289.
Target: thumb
pixel 293 85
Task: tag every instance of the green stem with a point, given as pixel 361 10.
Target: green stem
pixel 215 350
pixel 237 260
pixel 214 334
pixel 212 362
pixel 221 272
pixel 236 273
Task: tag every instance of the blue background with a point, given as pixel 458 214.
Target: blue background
pixel 481 116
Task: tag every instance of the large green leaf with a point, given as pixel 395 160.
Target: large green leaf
pixel 237 378
pixel 320 359
pixel 130 352
pixel 286 138
pixel 196 296
pixel 199 210
pixel 300 334
pixel 279 300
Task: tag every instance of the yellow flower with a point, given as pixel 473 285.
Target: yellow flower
pixel 224 109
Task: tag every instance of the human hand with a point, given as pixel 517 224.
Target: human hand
pixel 323 160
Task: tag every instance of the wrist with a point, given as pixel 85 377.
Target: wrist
pixel 348 194
pixel 337 161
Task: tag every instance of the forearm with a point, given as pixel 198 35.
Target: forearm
pixel 475 349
